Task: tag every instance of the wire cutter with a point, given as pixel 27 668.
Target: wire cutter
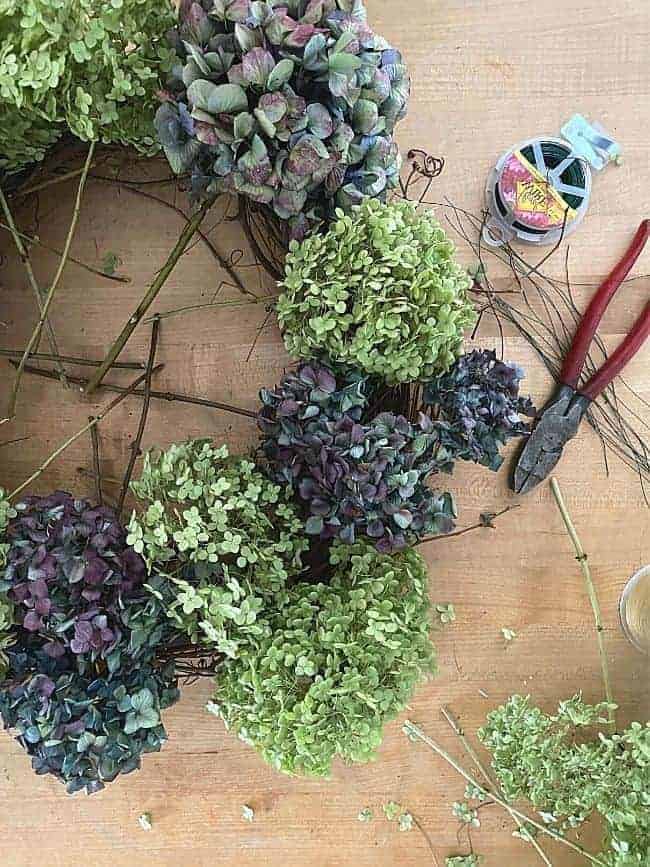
pixel 560 419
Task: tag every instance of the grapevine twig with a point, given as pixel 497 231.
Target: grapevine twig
pixel 204 238
pixel 167 313
pixel 581 557
pixel 487 521
pixel 55 284
pixel 94 437
pixel 57 179
pixel 93 421
pixel 135 445
pixel 471 752
pixel 190 228
pixel 169 396
pixel 69 359
pixel 117 278
pixel 412 731
pixel 14 441
pixel 105 480
pixel 31 278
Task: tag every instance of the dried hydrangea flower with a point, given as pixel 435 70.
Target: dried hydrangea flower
pixel 292 106
pixel 82 690
pixel 477 407
pixel 380 291
pixel 87 729
pixel 570 775
pixel 87 67
pixel 7 512
pixel 225 535
pixel 70 574
pixel 358 474
pixel 339 661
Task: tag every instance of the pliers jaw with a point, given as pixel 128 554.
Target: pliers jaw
pixel 558 423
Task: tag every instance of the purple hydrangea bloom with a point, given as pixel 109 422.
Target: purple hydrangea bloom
pixel 68 568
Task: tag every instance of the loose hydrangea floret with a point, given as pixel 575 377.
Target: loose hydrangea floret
pixel 341 659
pixel 477 407
pixel 380 291
pixel 224 534
pixel 84 66
pixel 358 474
pixel 81 689
pixel 292 106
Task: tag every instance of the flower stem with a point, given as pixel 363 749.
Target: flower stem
pixel 471 752
pixel 266 299
pixel 179 248
pixel 116 278
pixel 69 359
pixel 412 731
pixel 581 557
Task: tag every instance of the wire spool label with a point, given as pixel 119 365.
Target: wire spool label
pixel 533 199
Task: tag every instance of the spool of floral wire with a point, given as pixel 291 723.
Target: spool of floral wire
pixel 539 191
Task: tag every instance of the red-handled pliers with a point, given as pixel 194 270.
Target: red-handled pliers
pixel 561 417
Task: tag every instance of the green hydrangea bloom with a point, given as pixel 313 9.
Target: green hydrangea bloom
pixel 567 777
pixel 339 661
pixel 6 513
pixel 380 291
pixel 88 66
pixel 6 636
pixel 224 535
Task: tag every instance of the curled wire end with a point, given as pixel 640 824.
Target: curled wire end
pixel 425 164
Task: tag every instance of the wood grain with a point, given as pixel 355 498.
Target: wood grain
pixel 487 73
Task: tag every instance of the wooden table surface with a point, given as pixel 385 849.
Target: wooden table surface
pixel 487 73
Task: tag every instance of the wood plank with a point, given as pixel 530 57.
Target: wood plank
pixel 487 73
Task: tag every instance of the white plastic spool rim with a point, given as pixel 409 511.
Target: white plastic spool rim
pixel 516 186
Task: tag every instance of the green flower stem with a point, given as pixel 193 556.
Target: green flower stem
pixel 93 421
pixel 411 730
pixel 179 248
pixel 471 752
pixel 31 277
pixel 55 285
pixel 581 557
pixel 223 263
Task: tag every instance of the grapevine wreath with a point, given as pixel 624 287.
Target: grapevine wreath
pixel 292 576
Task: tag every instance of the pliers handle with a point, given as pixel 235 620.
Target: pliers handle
pixel 575 360
pixel 560 420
